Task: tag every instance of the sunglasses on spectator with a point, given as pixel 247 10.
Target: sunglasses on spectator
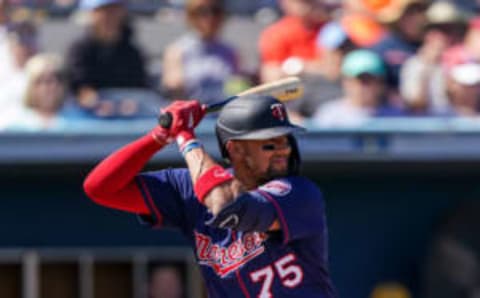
pixel 449 28
pixel 206 11
pixel 366 78
pixel 416 8
pixel 275 147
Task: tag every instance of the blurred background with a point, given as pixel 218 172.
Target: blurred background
pixel 392 103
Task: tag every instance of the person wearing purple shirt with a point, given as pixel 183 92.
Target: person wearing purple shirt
pixel 199 64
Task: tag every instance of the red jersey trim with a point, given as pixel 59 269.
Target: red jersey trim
pixel 158 217
pixel 242 284
pixel 237 274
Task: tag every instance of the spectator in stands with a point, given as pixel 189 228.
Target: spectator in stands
pixel 198 64
pixel 406 22
pixel 105 57
pixel 422 83
pixel 363 80
pixel 463 89
pixel 468 50
pixel 21 45
pixel 3 13
pixel 166 282
pixel 5 56
pixel 288 47
pixel 335 40
pixel 44 96
pixel 338 37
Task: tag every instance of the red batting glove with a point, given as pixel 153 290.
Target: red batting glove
pixel 161 135
pixel 186 115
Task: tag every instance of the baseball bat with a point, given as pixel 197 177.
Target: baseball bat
pixel 284 90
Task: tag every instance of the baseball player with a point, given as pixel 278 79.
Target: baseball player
pixel 257 229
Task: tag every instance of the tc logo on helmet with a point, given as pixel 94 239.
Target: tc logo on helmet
pixel 278 111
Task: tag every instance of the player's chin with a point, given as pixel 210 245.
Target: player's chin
pixel 277 171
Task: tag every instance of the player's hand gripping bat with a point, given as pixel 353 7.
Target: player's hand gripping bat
pixel 284 90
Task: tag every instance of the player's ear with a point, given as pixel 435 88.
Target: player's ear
pixel 229 146
pixel 234 149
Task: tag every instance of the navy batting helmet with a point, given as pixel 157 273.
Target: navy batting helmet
pixel 254 117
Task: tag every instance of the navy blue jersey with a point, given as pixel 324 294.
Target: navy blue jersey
pixel 287 263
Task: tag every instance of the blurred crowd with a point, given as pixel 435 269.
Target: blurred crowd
pixel 358 59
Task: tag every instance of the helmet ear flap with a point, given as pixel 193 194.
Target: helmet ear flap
pixel 222 144
pixel 295 161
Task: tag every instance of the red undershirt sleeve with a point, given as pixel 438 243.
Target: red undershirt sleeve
pixel 112 182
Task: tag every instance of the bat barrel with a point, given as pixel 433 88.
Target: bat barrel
pixel 284 90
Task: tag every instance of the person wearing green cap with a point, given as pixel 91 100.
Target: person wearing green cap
pixel 360 62
pixel 363 81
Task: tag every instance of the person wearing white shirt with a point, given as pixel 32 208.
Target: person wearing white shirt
pixel 21 44
pixel 5 57
pixel 43 99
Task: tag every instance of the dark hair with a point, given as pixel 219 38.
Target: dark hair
pixel 22 30
pixel 192 8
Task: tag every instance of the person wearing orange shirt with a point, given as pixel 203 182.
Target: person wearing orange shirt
pixel 288 47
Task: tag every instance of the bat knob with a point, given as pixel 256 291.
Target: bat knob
pixel 165 120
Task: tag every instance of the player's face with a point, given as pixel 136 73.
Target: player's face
pixel 265 159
